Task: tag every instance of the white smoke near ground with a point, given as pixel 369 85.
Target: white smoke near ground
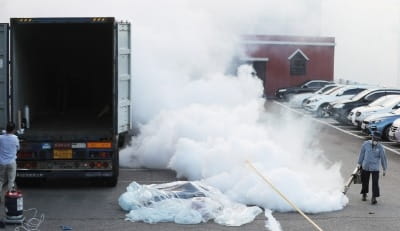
pixel 271 223
pixel 204 124
pixel 212 142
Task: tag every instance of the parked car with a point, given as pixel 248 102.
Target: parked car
pixel 308 86
pixel 330 91
pixel 394 132
pixel 352 115
pixel 319 104
pixel 299 99
pixel 383 104
pixel 380 122
pixel 341 109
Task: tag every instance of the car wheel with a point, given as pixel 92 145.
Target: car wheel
pixel 343 118
pixel 287 96
pixel 322 111
pixel 386 131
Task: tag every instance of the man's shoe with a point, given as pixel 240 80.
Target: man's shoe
pixel 364 197
pixel 373 200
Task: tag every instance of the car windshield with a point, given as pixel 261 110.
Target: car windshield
pixel 397 111
pixel 360 95
pixel 325 89
pixel 304 85
pixel 341 91
pixel 390 102
pixel 333 91
pixel 328 92
pixel 381 100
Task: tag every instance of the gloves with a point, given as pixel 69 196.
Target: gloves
pixel 384 173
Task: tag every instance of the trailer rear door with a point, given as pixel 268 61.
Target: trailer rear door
pixel 3 74
pixel 124 76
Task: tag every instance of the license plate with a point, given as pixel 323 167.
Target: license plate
pixel 62 153
pixel 363 126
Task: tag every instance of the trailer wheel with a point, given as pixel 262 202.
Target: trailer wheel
pixel 111 182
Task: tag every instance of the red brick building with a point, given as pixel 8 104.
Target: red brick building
pixel 282 61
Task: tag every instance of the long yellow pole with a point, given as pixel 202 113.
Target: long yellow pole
pixel 283 196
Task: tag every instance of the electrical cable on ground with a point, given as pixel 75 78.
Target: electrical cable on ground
pixel 283 196
pixel 31 224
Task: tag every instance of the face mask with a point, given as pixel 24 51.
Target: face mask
pixel 374 142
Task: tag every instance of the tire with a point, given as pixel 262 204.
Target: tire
pixel 342 119
pixel 386 131
pixel 111 182
pixel 289 96
pixel 321 111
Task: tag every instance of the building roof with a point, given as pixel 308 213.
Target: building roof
pixel 289 40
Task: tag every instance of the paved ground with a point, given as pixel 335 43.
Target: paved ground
pixel 86 207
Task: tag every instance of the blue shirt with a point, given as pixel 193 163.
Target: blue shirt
pixel 372 157
pixel 9 145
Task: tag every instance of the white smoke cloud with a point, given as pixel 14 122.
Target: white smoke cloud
pixel 205 125
pixel 213 142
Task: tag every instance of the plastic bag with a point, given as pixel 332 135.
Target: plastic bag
pixel 183 202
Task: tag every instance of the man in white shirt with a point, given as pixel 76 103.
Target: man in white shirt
pixel 9 145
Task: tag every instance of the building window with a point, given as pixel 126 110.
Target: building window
pixel 298 63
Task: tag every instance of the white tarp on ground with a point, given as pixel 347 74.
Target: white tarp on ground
pixel 183 202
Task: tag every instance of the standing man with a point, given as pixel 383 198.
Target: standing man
pixel 9 145
pixel 372 155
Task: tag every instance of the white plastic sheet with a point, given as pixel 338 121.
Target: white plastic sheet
pixel 183 202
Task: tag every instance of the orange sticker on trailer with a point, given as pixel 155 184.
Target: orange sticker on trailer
pixel 99 145
pixel 62 153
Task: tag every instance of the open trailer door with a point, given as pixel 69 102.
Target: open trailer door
pixel 124 76
pixel 3 74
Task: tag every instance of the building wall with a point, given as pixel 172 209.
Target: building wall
pixel 277 49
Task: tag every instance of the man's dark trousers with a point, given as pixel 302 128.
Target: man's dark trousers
pixel 365 182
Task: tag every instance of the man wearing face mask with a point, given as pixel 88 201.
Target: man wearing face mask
pixel 372 155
